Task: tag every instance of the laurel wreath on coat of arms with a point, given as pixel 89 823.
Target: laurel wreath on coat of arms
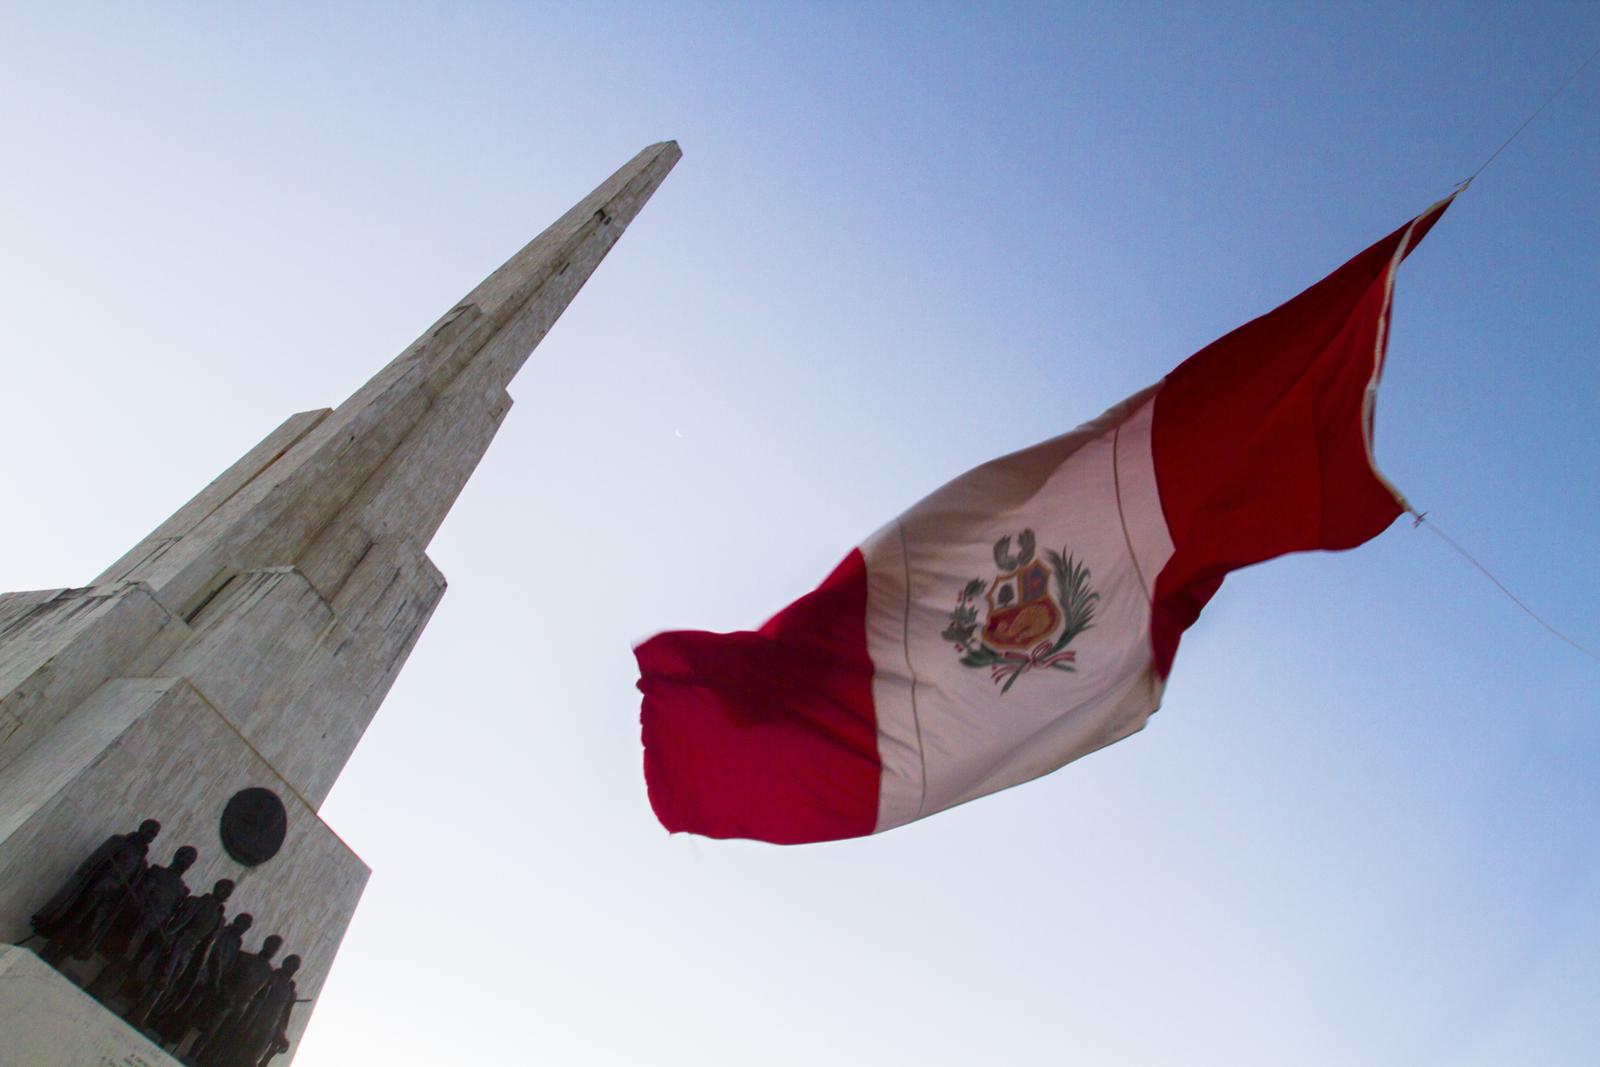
pixel 1027 625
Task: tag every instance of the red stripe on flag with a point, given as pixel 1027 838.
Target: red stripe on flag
pixel 1258 438
pixel 768 734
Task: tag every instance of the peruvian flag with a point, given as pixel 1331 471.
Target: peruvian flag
pixel 1028 612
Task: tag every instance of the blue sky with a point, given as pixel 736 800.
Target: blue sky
pixel 903 239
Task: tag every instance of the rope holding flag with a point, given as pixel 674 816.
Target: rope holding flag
pixel 1535 114
pixel 1421 517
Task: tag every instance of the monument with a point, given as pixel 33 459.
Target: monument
pixel 204 692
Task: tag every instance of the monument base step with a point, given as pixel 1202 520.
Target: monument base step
pixel 46 1021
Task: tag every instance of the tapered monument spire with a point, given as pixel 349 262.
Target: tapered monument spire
pixel 248 640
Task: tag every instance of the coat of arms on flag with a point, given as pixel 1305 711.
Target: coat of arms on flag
pixel 1022 614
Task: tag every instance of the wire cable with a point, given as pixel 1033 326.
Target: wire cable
pixel 1537 112
pixel 1418 519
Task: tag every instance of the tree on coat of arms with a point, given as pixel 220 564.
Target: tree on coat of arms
pixel 1022 611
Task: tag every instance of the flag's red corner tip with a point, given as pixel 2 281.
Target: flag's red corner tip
pixel 767 734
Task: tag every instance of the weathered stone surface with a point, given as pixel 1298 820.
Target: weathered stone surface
pixel 15 607
pixel 46 1021
pixel 299 677
pixel 411 494
pixel 61 649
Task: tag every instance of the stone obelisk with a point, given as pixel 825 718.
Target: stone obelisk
pixel 244 645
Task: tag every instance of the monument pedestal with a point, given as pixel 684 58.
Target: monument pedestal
pixel 46 1021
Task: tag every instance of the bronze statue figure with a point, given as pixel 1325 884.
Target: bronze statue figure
pixel 194 997
pixel 188 934
pixel 264 1031
pixel 138 929
pixel 81 910
pixel 222 1016
pixel 160 893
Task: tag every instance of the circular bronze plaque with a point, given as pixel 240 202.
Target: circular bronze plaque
pixel 253 825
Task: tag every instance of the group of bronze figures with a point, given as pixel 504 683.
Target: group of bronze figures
pixel 172 966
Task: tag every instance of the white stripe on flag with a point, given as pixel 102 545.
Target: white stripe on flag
pixel 949 732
